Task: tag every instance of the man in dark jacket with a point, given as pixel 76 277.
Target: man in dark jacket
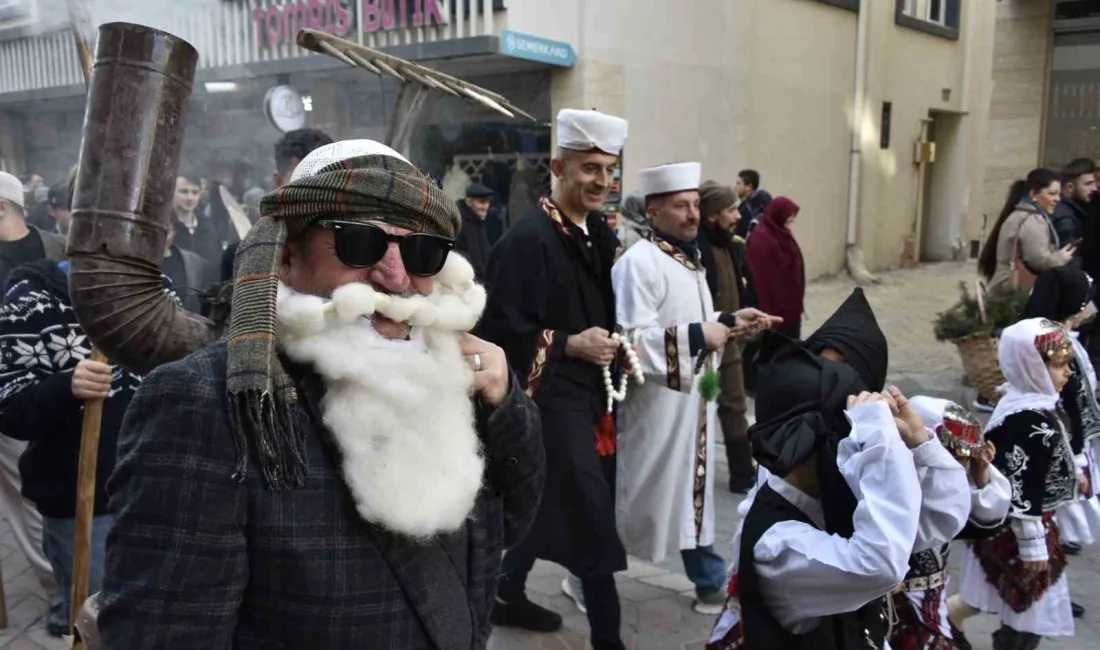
pixel 753 200
pixel 718 207
pixel 289 151
pixel 191 274
pixel 551 307
pixel 472 240
pixel 45 376
pixel 1078 185
pixel 331 484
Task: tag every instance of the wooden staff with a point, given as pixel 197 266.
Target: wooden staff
pixel 85 503
pixel 93 408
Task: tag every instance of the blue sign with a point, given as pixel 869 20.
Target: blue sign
pixel 544 50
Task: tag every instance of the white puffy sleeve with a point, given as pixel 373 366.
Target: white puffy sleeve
pixel 945 494
pixel 989 505
pixel 806 573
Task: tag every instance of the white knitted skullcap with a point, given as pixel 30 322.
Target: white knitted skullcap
pixel 322 157
pixel 11 189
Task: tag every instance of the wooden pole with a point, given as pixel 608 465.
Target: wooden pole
pixel 83 34
pixel 85 502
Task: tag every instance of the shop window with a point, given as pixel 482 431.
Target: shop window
pixel 939 17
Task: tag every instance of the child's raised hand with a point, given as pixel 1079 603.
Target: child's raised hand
pixel 979 464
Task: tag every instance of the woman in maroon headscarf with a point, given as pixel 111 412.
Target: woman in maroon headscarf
pixel 775 261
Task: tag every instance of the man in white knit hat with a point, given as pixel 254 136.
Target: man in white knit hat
pixel 665 497
pixel 552 309
pixel 346 469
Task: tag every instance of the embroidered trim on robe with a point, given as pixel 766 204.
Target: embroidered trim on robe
pixel 699 488
pixel 538 364
pixel 673 251
pixel 547 205
pixel 672 358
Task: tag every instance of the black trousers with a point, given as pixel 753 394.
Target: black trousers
pixel 601 597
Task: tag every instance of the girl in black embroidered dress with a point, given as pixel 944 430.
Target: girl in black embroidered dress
pixel 1062 295
pixel 1018 573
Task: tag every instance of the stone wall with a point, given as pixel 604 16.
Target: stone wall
pixel 1020 64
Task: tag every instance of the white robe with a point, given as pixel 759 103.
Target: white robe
pixel 662 443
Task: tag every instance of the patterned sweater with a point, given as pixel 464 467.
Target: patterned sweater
pixel 41 344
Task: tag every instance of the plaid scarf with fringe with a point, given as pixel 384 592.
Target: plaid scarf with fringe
pixel 376 187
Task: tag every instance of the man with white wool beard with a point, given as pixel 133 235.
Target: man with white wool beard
pixel 346 469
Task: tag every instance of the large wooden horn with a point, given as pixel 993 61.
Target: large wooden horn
pixel 134 122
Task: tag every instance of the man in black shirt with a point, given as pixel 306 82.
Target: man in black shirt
pixel 194 232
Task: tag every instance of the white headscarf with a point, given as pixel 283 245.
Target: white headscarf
pixel 1027 381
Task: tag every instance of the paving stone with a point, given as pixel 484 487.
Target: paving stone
pixel 23 642
pixel 636 568
pixel 639 591
pixel 670 582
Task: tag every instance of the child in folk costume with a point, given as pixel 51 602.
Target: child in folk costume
pixel 920 601
pixel 852 338
pixel 1018 572
pixel 1062 295
pixel 830 533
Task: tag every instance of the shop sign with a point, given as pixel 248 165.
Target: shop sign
pixel 543 50
pixel 279 24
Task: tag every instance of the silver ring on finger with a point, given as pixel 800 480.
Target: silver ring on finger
pixel 477 362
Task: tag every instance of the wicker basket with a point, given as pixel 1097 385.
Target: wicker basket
pixel 979 357
pixel 979 360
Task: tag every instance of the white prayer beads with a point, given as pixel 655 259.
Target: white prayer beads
pixel 631 368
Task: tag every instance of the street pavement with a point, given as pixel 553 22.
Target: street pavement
pixel 656 600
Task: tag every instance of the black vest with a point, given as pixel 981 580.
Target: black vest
pixel 864 629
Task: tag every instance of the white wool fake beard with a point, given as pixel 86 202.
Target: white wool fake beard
pixel 400 412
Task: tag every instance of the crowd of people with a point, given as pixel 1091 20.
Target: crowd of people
pixel 407 412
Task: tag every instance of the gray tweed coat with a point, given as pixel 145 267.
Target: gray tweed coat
pixel 197 560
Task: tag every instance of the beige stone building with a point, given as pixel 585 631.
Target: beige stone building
pixel 771 85
pixel 765 84
pixel 1045 105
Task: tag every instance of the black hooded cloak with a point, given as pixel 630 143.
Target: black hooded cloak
pixel 800 404
pixel 854 332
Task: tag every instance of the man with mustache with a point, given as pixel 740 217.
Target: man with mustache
pixel 665 493
pixel 552 310
pixel 346 469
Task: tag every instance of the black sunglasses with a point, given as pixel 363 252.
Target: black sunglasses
pixel 364 244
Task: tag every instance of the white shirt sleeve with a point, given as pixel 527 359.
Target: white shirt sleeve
pixel 1031 537
pixel 989 505
pixel 945 490
pixel 806 573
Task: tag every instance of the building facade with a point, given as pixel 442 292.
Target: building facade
pixel 1045 106
pixel 733 83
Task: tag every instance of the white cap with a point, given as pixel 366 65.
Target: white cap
pixel 11 189
pixel 673 177
pixel 322 157
pixel 581 130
